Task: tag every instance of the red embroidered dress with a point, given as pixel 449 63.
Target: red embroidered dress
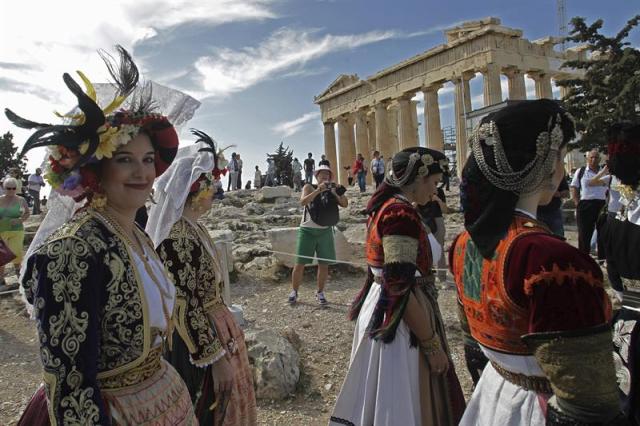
pixel 534 283
pixel 389 380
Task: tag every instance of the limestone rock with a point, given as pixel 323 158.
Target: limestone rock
pixel 246 253
pixel 293 338
pixel 356 234
pixel 254 208
pixel 284 240
pixel 271 193
pixel 275 362
pixel 238 314
pixel 232 200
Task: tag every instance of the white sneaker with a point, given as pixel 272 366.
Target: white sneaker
pixel 321 299
pixel 293 297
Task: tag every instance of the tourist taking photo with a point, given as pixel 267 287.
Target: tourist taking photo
pixel 315 234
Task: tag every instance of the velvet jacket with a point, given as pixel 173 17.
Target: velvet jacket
pixel 92 316
pixel 198 290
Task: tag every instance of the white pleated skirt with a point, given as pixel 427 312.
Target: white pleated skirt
pixel 381 387
pixel 496 401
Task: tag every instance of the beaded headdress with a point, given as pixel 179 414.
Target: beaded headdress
pixel 426 165
pixel 529 178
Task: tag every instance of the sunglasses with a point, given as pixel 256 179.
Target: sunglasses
pixel 10 189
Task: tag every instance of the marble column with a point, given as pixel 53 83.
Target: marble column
pixel 491 83
pixel 432 128
pixel 406 133
pixel 564 91
pixel 371 131
pixel 462 104
pixel 414 122
pixel 392 117
pixel 346 148
pixel 383 134
pixel 517 88
pixel 362 137
pixel 330 145
pixel 371 127
pixel 543 85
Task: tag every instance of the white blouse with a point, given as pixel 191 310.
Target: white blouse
pixel 152 292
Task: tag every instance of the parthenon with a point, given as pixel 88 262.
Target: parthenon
pixel 382 110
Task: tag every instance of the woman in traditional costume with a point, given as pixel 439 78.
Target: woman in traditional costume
pixel 100 294
pixel 208 348
pixel 535 304
pixel 400 371
pixel 620 237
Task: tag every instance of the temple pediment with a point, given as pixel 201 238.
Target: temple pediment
pixel 343 81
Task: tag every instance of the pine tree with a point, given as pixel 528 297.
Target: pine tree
pixel 609 92
pixel 9 157
pixel 282 159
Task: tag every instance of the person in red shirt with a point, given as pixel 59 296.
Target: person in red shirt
pixel 360 172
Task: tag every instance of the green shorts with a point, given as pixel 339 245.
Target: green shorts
pixel 315 241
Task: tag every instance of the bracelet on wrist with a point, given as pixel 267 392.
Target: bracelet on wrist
pixel 431 346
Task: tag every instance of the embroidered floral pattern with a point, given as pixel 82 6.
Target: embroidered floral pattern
pixel 90 311
pixel 197 288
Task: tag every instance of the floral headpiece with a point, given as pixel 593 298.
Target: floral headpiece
pixel 205 181
pixel 95 133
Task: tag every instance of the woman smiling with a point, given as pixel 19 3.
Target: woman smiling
pixel 101 297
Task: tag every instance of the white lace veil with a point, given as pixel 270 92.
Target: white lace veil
pixel 172 189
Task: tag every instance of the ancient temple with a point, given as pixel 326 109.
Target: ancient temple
pixel 378 113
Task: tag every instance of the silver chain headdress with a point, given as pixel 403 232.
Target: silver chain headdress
pixel 426 160
pixel 533 174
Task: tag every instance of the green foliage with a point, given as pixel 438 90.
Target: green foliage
pixel 9 156
pixel 282 159
pixel 610 89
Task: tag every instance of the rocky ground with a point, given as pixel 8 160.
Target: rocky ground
pixel 260 285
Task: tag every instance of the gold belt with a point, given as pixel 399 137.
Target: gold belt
pixel 530 383
pixel 135 375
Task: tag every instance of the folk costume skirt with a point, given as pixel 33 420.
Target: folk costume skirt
pixel 161 400
pixel 391 383
pixel 496 400
pixel 238 408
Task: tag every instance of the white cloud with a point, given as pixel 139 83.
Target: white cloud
pixel 45 39
pixel 227 71
pixel 289 128
pixel 165 14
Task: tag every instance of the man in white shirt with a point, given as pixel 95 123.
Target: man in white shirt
pixel 271 173
pixel 377 168
pixel 296 168
pixel 35 184
pixel 239 163
pixel 589 193
pixel 232 185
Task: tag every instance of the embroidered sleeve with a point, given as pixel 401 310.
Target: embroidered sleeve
pixel 182 254
pixel 67 308
pixel 399 227
pixel 560 286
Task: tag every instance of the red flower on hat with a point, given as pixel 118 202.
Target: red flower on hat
pixel 89 179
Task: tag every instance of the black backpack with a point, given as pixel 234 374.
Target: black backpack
pixel 323 209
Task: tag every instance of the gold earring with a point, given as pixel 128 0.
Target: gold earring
pixel 98 201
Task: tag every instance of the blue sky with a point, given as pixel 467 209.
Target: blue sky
pixel 254 64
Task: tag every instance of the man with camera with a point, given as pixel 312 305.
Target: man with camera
pixel 315 234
